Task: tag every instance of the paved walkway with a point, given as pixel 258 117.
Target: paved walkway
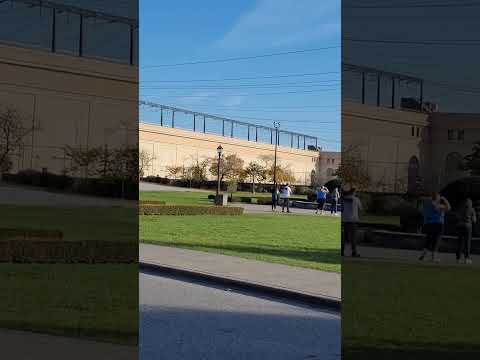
pixel 267 209
pixel 310 282
pixel 29 196
pixel 147 186
pixel 21 345
pixel 407 256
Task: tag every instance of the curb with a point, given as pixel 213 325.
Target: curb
pixel 323 302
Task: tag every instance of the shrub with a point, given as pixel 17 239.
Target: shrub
pixel 411 219
pixel 211 197
pixel 302 190
pixel 180 210
pixel 264 201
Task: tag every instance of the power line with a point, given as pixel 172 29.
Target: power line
pixel 240 58
pixel 288 84
pixel 413 5
pixel 258 94
pixel 453 42
pixel 245 78
pixel 190 90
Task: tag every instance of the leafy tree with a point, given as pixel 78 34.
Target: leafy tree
pixel 231 168
pixel 471 162
pixel 255 171
pixel 352 170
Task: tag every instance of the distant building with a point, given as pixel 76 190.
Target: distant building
pixel 408 150
pixel 171 147
pixel 69 90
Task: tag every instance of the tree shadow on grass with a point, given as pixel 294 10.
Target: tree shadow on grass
pixel 411 351
pixel 325 256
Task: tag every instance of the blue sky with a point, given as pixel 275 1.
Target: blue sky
pixel 173 32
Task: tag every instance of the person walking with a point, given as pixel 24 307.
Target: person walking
pixel 434 210
pixel 350 216
pixel 466 219
pixel 321 199
pixel 334 201
pixel 287 191
pixel 275 196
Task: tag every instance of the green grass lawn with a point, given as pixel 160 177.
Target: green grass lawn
pixel 178 197
pixel 304 241
pixel 94 301
pixel 113 223
pixel 404 311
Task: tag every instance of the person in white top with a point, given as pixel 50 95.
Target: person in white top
pixel 286 192
pixel 351 206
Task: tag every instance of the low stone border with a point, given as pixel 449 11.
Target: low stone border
pixel 61 251
pixel 29 234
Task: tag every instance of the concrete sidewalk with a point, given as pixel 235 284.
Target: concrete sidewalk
pixel 407 256
pixel 319 286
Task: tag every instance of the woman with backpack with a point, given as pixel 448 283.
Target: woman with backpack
pixel 466 219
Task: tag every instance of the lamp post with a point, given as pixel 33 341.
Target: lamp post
pixel 276 125
pixel 219 152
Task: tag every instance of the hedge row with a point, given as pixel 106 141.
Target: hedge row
pixel 179 210
pixel 54 251
pixel 29 234
pixel 152 202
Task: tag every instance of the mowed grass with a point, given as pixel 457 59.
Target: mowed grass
pixel 194 197
pixel 404 311
pixel 304 241
pixel 113 223
pixel 177 197
pixel 93 301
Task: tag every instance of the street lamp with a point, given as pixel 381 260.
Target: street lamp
pixel 219 152
pixel 276 125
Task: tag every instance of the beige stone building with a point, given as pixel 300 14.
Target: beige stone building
pixel 177 147
pixel 404 149
pixel 66 100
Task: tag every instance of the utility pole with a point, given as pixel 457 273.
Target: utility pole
pixel 276 125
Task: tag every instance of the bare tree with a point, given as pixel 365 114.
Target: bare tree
pixel 83 160
pixel 145 160
pixel 175 171
pixel 12 133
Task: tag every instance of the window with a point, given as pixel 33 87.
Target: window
pixel 333 161
pixel 456 134
pixel 451 134
pixel 413 130
pixel 418 132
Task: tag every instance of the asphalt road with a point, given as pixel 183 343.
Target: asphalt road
pixel 186 321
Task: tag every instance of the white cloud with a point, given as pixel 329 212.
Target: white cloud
pixel 274 23
pixel 233 100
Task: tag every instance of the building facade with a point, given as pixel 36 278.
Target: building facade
pixel 408 150
pixel 66 93
pixel 169 147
